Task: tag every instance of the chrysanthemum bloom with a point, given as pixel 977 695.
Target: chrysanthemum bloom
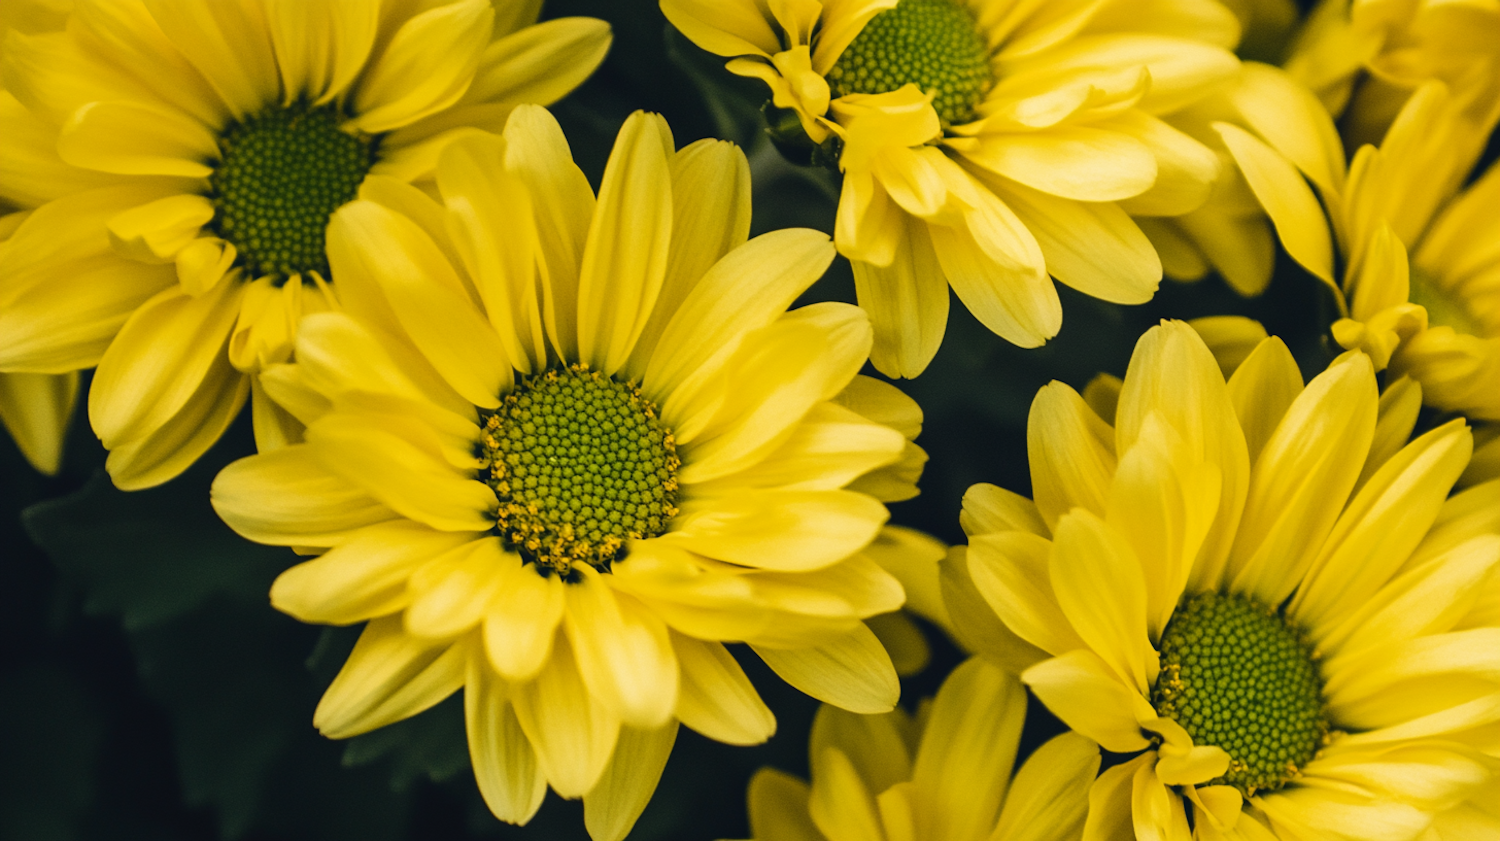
pixel 946 774
pixel 184 158
pixel 985 144
pixel 1421 270
pixel 559 448
pixel 1259 589
pixel 34 408
pixel 1364 58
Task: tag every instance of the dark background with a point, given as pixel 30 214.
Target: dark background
pixel 148 690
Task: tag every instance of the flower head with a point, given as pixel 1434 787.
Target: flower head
pixel 946 773
pixel 1259 588
pixel 559 448
pixel 986 144
pixel 183 160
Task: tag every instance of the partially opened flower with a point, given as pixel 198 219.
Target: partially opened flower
pixel 948 773
pixel 1259 588
pixel 1421 271
pixel 1364 58
pixel 558 449
pixel 985 144
pixel 184 157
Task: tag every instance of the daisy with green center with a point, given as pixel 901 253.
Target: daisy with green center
pixel 1259 589
pixel 559 449
pixel 1420 284
pixel 183 159
pixel 34 408
pixel 984 144
pixel 944 773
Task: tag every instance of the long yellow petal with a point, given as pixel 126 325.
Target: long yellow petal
pixel 573 733
pixel 388 676
pixel 523 620
pixel 612 807
pixel 229 43
pixel 426 67
pixel 540 63
pixel 286 499
pixel 1086 694
pixel 907 302
pixel 851 671
pixel 505 765
pixel 35 409
pixel 320 47
pixel 779 808
pixel 716 698
pixel 624 653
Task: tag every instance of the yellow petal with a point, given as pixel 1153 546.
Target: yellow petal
pixel 320 48
pixel 1293 121
pixel 851 671
pixel 998 271
pixel 35 409
pixel 537 151
pixel 573 733
pixel 968 750
pixel 716 699
pixel 229 43
pixel 1287 199
pixel 778 376
pixel 1381 527
pixel 1071 454
pixel 710 218
pixel 875 744
pixel 1157 811
pixel 1306 812
pixel 1231 338
pixel 451 592
pixel 778 808
pixel 286 498
pixel 31 173
pixel 388 676
pixel 792 531
pixel 1185 168
pixel 523 620
pixel 623 651
pixel 907 301
pixel 1050 794
pixel 1101 589
pixel 1085 693
pixel 1076 162
pixel 840 804
pixel 426 67
pixel 988 508
pixel 137 139
pixel 159 360
pixel 737 27
pixel 1262 388
pixel 1181 70
pixel 1109 816
pixel 126 36
pixel 745 291
pixel 423 290
pixel 625 260
pixel 1302 479
pixel 363 577
pixel 1011 571
pixel 1092 247
pixel 166 451
pixel 830 448
pixel 156 232
pixel 611 808
pixel 505 766
pixel 1400 404
pixel 202 263
pixel 541 63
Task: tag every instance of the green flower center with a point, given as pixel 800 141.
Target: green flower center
pixel 282 174
pixel 1443 307
pixel 1234 674
pixel 581 464
pixel 932 43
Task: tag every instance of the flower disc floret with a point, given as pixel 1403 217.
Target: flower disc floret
pixel 283 174
pixel 581 463
pixel 1235 675
pixel 934 44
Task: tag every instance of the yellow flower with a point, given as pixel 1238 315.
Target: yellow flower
pixel 1364 58
pixel 183 159
pixel 986 144
pixel 1421 275
pixel 559 448
pixel 1258 587
pixel 34 408
pixel 944 774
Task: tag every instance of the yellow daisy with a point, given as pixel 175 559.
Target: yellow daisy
pixel 985 144
pixel 34 408
pixel 559 448
pixel 1364 58
pixel 183 158
pixel 1420 281
pixel 1259 588
pixel 943 774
